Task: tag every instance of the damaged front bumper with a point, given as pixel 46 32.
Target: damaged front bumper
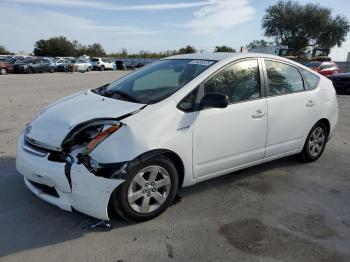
pixel 66 185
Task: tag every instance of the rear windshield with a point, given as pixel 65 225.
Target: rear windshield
pixel 158 80
pixel 95 59
pixel 313 64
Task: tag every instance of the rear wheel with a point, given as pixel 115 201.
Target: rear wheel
pixel 149 189
pixel 102 68
pixel 315 143
pixel 51 70
pixel 3 71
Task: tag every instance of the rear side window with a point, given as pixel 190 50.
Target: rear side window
pixel 240 82
pixel 310 78
pixel 283 78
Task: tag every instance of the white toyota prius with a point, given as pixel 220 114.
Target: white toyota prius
pixel 128 146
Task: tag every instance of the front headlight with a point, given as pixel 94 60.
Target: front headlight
pixel 89 135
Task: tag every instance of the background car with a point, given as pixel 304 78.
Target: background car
pixel 61 65
pixel 324 68
pixel 120 65
pixel 83 65
pixel 5 67
pixel 36 65
pixel 341 83
pixel 101 64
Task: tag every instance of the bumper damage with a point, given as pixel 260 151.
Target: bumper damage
pixel 66 184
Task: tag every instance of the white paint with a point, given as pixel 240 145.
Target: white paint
pixel 210 142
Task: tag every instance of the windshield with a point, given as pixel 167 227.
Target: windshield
pixel 95 59
pixel 157 81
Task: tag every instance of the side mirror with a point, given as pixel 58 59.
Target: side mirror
pixel 214 100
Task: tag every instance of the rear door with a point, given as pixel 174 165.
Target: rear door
pixel 236 135
pixel 292 108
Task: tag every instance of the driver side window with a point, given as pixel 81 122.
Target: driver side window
pixel 240 81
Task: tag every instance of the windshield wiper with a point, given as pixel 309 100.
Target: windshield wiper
pixel 125 95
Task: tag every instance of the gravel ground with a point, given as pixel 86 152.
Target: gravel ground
pixel 280 211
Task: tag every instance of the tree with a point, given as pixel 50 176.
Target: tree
pixel 55 46
pixel 187 50
pixel 299 26
pixel 224 48
pixel 95 49
pixel 258 43
pixel 4 51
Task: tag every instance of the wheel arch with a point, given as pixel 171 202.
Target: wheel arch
pixel 175 158
pixel 326 122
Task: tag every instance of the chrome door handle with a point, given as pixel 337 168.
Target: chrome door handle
pixel 259 114
pixel 310 103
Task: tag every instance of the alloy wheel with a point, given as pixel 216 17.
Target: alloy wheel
pixel 316 141
pixel 149 189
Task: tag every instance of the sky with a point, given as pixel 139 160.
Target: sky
pixel 155 25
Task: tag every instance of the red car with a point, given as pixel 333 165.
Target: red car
pixel 324 68
pixel 5 68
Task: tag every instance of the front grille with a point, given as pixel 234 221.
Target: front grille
pixel 45 189
pixel 34 149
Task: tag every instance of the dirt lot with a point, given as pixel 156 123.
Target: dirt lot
pixel 280 211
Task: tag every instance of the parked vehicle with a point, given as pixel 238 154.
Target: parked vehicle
pixel 341 83
pixel 119 65
pixel 101 64
pixel 5 67
pixel 130 145
pixel 83 65
pixel 324 68
pixel 36 65
pixel 61 65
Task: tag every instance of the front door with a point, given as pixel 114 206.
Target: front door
pixel 224 139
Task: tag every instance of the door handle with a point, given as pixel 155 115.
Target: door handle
pixel 258 114
pixel 310 103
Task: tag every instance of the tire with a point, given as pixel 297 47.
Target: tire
pixel 102 68
pixel 315 143
pixel 30 70
pixel 140 182
pixel 88 69
pixel 3 71
pixel 51 70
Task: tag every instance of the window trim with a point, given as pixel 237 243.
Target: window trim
pixel 267 79
pixel 200 93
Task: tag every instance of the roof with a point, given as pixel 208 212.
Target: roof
pixel 218 56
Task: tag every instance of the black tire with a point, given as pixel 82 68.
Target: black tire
pixel 307 155
pixel 119 199
pixel 88 69
pixel 102 68
pixel 51 70
pixel 3 71
pixel 31 70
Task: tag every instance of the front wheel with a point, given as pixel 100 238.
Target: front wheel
pixel 3 71
pixel 102 68
pixel 315 143
pixel 149 189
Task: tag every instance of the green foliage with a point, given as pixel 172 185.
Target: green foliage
pixel 55 46
pixel 258 43
pixel 224 48
pixel 299 26
pixel 61 46
pixel 187 50
pixel 4 51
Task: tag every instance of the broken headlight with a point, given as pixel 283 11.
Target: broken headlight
pixel 89 135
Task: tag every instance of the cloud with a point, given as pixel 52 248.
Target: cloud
pixel 112 7
pixel 220 15
pixel 19 28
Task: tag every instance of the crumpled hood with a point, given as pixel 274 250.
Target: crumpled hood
pixel 51 126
